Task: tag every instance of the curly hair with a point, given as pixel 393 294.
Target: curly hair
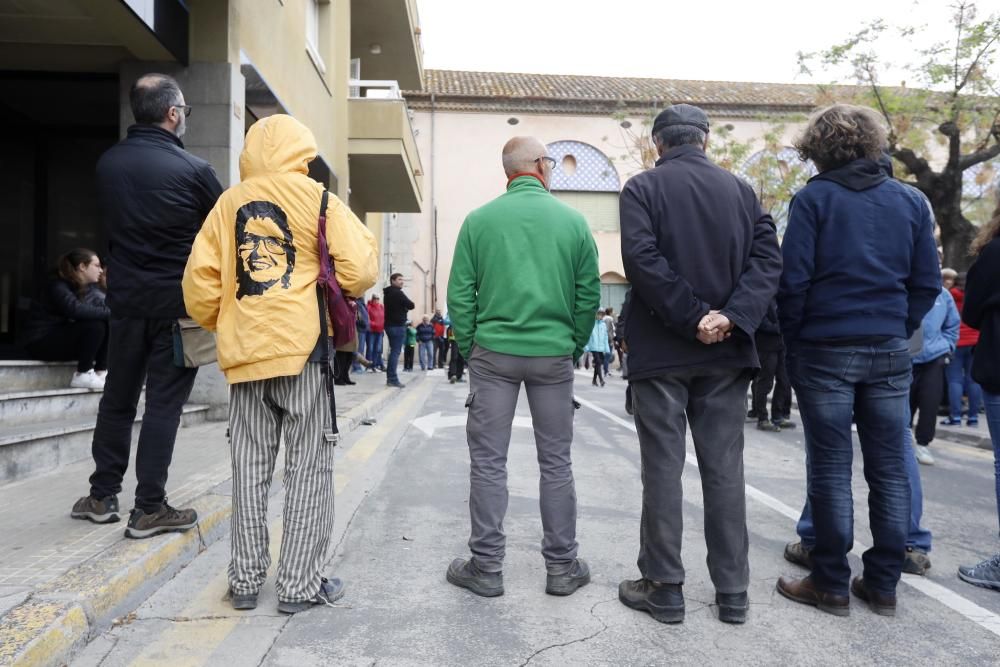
pixel 840 134
pixel 987 232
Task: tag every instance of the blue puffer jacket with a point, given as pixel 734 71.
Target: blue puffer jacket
pixel 598 338
pixel 940 329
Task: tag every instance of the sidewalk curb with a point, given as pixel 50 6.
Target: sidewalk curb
pixel 59 618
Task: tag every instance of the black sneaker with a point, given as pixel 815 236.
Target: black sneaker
pixel 764 425
pixel 452 379
pixel 916 562
pixel 104 510
pixel 784 422
pixel 985 574
pixel 164 520
pixel 330 590
pixel 242 601
pixel 664 602
pixel 466 574
pixel 733 607
pixel 397 384
pixel 578 576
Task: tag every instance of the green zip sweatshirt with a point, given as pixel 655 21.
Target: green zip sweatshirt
pixel 524 279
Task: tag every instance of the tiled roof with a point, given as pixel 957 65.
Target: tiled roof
pixel 507 91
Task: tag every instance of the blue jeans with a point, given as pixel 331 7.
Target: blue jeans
pixel 374 351
pixel 425 349
pixel 396 336
pixel 960 383
pixel 870 382
pixel 916 537
pixel 992 402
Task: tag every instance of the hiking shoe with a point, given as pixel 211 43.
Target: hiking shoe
pixel 923 454
pixel 88 380
pixel 883 604
pixel 764 425
pixel 733 607
pixel 164 520
pixel 664 602
pixel 916 562
pixel 242 601
pixel 578 576
pixel 466 574
pixel 397 384
pixel 800 554
pixel 784 422
pixel 330 590
pixel 104 510
pixel 985 574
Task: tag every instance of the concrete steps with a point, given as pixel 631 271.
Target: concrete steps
pixel 45 424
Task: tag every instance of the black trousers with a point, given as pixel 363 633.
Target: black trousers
pixel 925 396
pixel 457 366
pixel 408 357
pixel 441 351
pixel 140 351
pixel 773 373
pixel 342 362
pixel 83 341
pixel 598 366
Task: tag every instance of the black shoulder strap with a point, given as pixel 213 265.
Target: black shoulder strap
pixel 324 334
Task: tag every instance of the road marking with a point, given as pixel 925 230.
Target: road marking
pixel 949 598
pixel 435 420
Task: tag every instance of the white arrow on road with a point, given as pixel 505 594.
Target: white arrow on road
pixel 435 420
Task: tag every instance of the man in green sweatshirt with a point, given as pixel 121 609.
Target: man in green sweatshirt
pixel 523 289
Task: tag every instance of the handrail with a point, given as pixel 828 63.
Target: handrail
pixel 391 87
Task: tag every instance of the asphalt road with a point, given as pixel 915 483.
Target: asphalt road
pixel 402 516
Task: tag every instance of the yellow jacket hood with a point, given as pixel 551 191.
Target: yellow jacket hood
pixel 277 144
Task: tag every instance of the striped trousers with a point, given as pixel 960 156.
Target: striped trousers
pixel 293 410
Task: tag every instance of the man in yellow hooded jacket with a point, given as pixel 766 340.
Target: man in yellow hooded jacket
pixel 251 278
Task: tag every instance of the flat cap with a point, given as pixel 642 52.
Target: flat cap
pixel 681 114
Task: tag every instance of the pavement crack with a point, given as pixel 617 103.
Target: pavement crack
pixel 208 617
pixel 277 636
pixel 201 539
pixel 581 640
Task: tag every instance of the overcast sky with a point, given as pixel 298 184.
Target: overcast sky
pixel 722 40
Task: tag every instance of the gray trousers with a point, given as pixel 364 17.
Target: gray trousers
pixel 715 406
pixel 495 381
pixel 295 410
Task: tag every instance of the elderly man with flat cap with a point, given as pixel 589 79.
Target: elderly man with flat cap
pixel 704 263
pixel 522 293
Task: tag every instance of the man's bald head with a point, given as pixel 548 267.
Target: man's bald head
pixel 521 154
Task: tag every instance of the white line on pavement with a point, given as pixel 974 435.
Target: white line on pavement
pixel 949 598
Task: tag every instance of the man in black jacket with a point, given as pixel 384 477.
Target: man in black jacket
pixel 704 263
pixel 397 305
pixel 155 196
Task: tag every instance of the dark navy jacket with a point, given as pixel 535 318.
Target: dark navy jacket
pixel 155 197
pixel 981 310
pixel 694 238
pixel 860 259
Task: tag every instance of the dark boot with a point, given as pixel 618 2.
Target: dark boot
pixel 466 574
pixel 733 607
pixel 805 592
pixel 578 576
pixel 664 602
pixel 880 603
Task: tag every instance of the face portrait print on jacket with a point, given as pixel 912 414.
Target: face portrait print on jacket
pixel 264 247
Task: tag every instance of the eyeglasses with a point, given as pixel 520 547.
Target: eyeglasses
pixel 550 160
pixel 185 108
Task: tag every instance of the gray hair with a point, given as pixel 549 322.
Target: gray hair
pixel 151 97
pixel 681 135
pixel 520 154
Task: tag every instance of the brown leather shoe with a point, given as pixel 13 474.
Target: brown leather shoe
pixel 880 603
pixel 804 591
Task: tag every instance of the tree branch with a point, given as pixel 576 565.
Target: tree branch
pixel 973 159
pixel 881 103
pixel 975 63
pixel 950 130
pixel 915 164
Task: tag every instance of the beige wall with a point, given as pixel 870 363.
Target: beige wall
pixel 318 99
pixel 461 154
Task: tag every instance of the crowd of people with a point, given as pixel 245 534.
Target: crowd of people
pixel 852 311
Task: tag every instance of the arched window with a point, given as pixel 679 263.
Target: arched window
pixel 582 168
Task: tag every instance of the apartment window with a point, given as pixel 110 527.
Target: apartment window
pixel 316 32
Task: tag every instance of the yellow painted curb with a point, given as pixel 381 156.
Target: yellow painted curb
pixel 40 632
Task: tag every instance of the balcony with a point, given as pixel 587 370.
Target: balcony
pixel 385 36
pixel 386 174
